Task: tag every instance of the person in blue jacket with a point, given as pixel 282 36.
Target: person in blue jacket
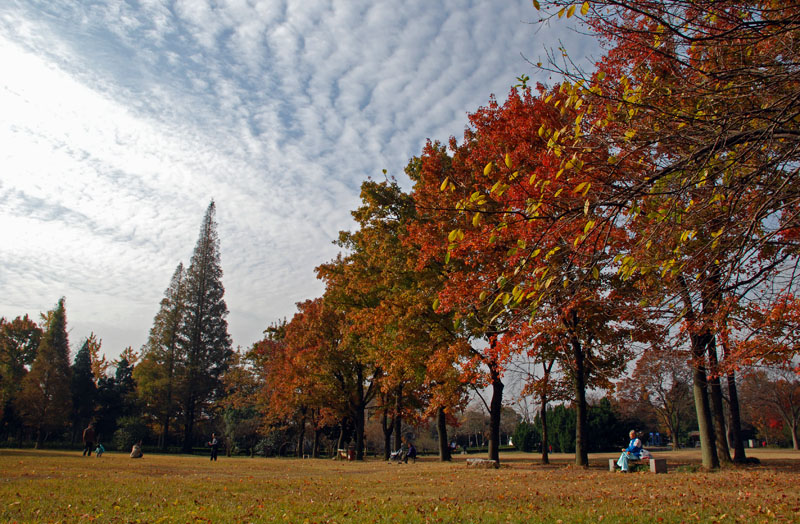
pixel 633 451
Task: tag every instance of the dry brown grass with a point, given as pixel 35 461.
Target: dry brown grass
pixel 40 486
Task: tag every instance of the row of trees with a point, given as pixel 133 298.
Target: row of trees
pixel 650 207
pixel 652 203
pixel 177 375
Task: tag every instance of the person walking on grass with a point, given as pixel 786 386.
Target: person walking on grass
pixel 214 443
pixel 88 440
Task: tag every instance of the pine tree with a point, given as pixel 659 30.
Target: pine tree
pixel 203 334
pixel 45 401
pixel 84 391
pixel 161 367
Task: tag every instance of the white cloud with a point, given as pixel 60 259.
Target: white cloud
pixel 120 121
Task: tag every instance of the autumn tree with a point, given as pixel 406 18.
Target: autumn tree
pixel 240 418
pixel 19 339
pixel 45 400
pixel 99 364
pixel 698 102
pixel 774 393
pixel 203 338
pixel 661 381
pixel 525 237
pixel 161 372
pixel 292 389
pixel 388 298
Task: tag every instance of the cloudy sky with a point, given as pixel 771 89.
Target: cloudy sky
pixel 121 119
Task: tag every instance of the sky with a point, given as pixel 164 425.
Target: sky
pixel 120 120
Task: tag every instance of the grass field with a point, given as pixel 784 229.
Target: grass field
pixel 42 486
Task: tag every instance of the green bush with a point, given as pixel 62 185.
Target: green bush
pixel 129 431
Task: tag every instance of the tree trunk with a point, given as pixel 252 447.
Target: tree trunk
pixel 545 436
pixel 343 437
pixel 387 435
pixel 495 410
pixel 547 368
pixel 315 449
pixel 165 426
pixel 795 442
pixel 700 386
pixel 581 409
pixel 397 421
pixel 718 408
pixel 187 432
pixel 735 427
pixel 358 423
pixel 441 427
pixel 301 437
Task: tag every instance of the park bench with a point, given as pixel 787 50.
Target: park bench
pixel 482 463
pixel 657 465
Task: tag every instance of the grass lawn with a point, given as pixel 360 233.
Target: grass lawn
pixel 50 486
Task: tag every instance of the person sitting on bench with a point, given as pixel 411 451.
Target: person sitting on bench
pixel 631 452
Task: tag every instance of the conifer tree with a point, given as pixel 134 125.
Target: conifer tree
pixel 83 389
pixel 158 373
pixel 45 401
pixel 203 334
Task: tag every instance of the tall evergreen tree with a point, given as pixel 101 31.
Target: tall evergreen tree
pixel 158 373
pixel 203 334
pixel 83 389
pixel 45 401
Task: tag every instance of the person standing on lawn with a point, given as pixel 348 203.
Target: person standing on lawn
pixel 88 440
pixel 214 443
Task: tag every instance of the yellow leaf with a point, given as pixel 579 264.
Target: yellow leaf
pixel 508 161
pixel 476 220
pixel 488 168
pixel 551 252
pixel 435 304
pixel 579 187
pixel 585 8
pixel 536 5
pixel 595 272
pixel 570 11
pixel 444 184
pixel 482 296
pixel 561 12
pixel 558 192
pixel 589 225
pixel 549 281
